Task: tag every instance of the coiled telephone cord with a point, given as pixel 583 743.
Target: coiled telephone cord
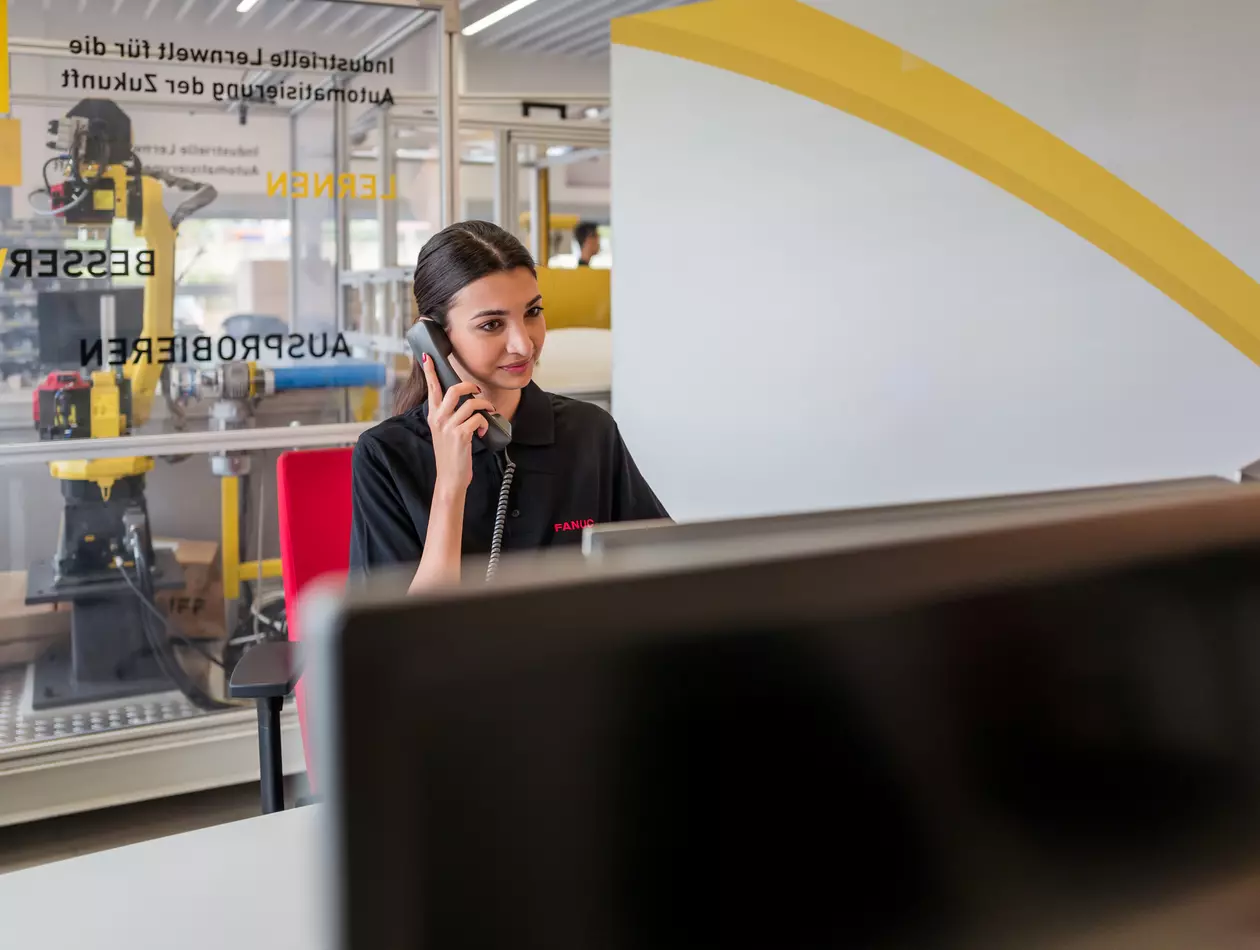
pixel 500 517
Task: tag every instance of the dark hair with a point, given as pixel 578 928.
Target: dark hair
pixel 584 230
pixel 449 261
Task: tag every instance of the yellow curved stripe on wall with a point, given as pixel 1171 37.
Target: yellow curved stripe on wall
pixel 803 50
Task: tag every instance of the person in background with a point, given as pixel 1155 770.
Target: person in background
pixel 586 237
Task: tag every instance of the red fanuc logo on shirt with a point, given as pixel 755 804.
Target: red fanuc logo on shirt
pixel 575 525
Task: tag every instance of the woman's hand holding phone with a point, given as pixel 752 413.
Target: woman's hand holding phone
pixel 453 429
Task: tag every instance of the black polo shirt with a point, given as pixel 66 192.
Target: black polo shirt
pixel 572 470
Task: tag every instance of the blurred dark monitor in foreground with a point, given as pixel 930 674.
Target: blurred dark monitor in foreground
pixel 1021 737
pixel 872 524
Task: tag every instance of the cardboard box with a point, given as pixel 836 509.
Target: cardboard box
pixel 26 631
pixel 197 608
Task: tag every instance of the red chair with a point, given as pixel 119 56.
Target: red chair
pixel 314 495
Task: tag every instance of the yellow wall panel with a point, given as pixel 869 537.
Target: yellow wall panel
pixel 576 298
pixel 10 153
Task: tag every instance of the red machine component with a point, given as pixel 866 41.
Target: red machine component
pixel 84 209
pixel 62 406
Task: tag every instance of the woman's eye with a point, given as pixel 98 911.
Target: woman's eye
pixel 534 312
pixel 491 326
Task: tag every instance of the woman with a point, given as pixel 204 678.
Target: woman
pixel 426 491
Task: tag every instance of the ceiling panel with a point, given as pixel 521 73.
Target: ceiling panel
pixel 557 27
pixel 560 27
pixel 323 25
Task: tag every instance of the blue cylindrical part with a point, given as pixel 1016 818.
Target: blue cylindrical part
pixel 330 376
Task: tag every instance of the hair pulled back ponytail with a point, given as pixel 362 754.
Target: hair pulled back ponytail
pixel 452 259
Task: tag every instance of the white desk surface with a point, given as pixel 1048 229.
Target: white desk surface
pixel 242 885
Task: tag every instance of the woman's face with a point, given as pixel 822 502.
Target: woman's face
pixel 497 329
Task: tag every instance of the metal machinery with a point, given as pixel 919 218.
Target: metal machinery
pixel 234 390
pixel 19 296
pixel 105 565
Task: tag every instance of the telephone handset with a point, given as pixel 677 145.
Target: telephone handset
pixel 426 337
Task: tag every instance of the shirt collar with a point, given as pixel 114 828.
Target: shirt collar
pixel 533 424
pixel 535 421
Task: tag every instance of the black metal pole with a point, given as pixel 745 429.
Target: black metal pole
pixel 271 771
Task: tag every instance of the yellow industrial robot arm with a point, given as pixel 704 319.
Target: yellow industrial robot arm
pixel 144 369
pixel 107 182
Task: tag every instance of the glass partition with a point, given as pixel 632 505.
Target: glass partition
pixel 195 279
pixel 312 206
pixel 171 320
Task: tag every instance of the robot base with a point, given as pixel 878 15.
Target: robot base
pixel 108 656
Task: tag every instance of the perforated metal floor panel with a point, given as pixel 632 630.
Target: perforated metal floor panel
pixel 20 725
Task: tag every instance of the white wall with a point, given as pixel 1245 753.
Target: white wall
pixel 825 315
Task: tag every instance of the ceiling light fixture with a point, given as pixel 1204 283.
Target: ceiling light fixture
pixel 246 5
pixel 491 19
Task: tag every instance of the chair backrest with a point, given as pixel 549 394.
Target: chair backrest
pixel 313 486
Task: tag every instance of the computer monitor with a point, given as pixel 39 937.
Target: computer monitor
pixel 70 327
pixel 1036 736
pixel 597 539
